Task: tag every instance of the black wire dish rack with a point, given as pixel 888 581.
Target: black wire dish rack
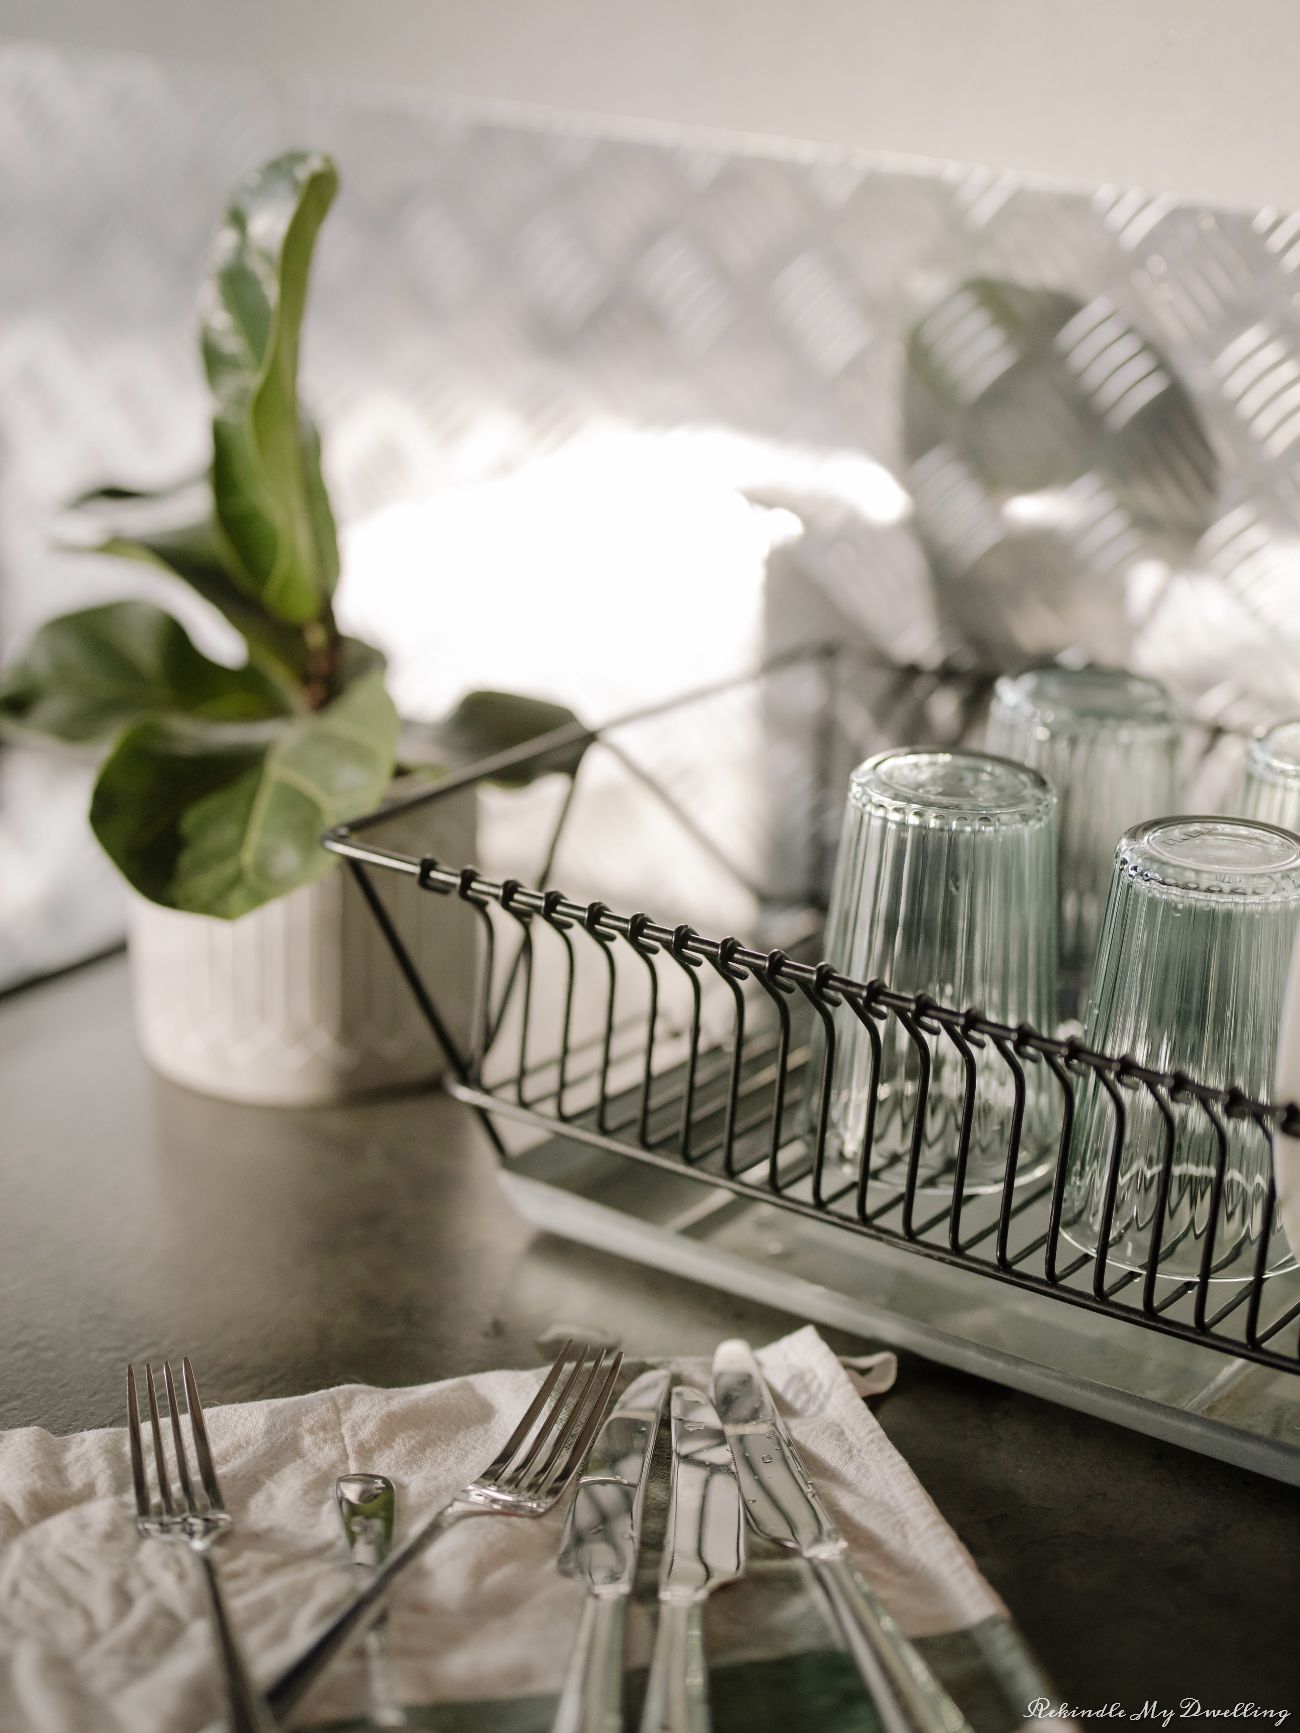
pixel 665 1093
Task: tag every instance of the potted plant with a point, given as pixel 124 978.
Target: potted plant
pixel 257 972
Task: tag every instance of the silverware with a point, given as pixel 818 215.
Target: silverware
pixel 536 1464
pixel 704 1546
pixel 367 1506
pixel 782 1504
pixel 599 1551
pixel 198 1518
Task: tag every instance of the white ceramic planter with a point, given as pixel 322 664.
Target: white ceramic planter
pixel 301 1001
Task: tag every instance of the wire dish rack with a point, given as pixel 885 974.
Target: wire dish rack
pixel 662 1092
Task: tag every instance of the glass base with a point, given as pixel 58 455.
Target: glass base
pixel 1124 1255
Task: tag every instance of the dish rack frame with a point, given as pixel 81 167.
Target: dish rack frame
pixel 714 1094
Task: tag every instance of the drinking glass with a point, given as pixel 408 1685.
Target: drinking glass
pixel 945 884
pixel 1272 792
pixel 1190 973
pixel 1108 742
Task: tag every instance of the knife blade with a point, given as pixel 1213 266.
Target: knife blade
pixel 704 1547
pixel 598 1550
pixel 782 1504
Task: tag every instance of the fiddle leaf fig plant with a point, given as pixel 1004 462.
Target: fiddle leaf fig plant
pixel 217 781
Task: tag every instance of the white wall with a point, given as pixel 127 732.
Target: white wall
pixel 1198 97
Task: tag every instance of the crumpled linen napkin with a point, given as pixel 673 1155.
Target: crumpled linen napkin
pixel 99 1629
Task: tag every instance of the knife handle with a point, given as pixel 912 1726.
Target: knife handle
pixel 677 1697
pixel 907 1696
pixel 591 1700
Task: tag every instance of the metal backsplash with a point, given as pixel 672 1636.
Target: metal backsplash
pixel 789 390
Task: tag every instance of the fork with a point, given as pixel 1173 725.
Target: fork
pixel 532 1470
pixel 197 1521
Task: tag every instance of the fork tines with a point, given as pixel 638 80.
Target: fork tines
pixel 552 1439
pixel 192 1501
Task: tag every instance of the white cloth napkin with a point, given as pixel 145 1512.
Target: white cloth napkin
pixel 99 1629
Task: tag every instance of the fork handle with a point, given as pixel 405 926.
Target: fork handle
pixel 246 1708
pixel 360 1612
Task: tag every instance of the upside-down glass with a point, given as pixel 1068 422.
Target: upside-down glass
pixel 1108 742
pixel 1190 973
pixel 945 884
pixel 1272 790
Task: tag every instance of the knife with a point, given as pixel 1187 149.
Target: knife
pixel 599 1551
pixel 704 1546
pixel 782 1504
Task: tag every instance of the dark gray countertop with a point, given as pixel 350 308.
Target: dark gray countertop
pixel 292 1250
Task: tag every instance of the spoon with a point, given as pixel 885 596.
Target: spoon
pixel 367 1505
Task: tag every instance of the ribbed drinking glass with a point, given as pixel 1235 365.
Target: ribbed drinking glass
pixel 945 885
pixel 1108 743
pixel 1190 973
pixel 1272 792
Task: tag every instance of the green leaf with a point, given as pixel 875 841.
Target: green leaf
pixel 266 481
pixel 319 508
pixel 219 820
pixel 484 724
pixel 175 530
pixel 113 493
pixel 88 675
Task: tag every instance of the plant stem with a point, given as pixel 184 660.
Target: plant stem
pixel 322 640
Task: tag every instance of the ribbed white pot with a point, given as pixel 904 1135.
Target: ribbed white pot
pixel 302 1002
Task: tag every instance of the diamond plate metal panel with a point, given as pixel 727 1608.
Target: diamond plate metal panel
pixel 688 324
